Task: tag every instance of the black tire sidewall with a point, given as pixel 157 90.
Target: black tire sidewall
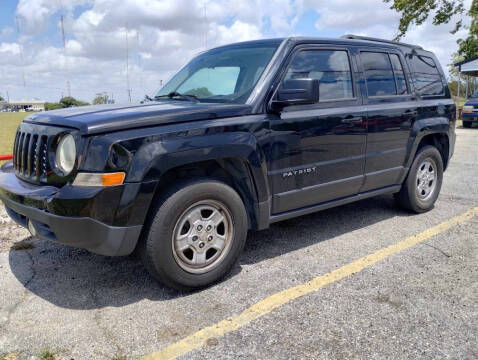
pixel 416 203
pixel 159 249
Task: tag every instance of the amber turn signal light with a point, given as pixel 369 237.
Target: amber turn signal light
pixel 93 179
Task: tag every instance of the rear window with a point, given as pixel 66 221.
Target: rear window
pixel 427 77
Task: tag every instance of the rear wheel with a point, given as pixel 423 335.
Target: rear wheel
pixel 467 124
pixel 422 186
pixel 196 235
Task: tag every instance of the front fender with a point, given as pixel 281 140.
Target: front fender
pixel 154 159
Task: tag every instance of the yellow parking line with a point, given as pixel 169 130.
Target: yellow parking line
pixel 272 302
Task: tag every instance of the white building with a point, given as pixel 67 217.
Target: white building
pixel 24 105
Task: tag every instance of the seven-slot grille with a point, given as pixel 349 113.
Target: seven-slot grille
pixel 30 155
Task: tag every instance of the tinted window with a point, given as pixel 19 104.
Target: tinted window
pixel 378 74
pixel 331 68
pixel 399 74
pixel 427 77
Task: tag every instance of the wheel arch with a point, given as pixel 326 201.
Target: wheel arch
pixel 235 172
pixel 434 132
pixel 439 140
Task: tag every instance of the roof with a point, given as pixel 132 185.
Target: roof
pixel 466 61
pixel 344 40
pixel 468 67
pixel 26 102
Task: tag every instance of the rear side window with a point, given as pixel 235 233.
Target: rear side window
pixel 330 67
pixel 384 74
pixel 399 74
pixel 428 80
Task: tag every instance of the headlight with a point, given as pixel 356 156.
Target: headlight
pixel 66 154
pixel 468 108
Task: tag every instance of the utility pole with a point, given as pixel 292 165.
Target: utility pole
pixel 206 24
pixel 127 65
pixel 8 97
pixel 22 61
pixel 64 53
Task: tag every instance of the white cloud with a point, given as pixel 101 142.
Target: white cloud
pixel 163 35
pixel 34 15
pixel 6 31
pixel 238 31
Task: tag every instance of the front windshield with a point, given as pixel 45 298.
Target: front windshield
pixel 223 75
pixel 474 95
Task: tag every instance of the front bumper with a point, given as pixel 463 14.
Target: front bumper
pixel 46 206
pixel 473 117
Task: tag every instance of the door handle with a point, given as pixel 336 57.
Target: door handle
pixel 411 113
pixel 352 120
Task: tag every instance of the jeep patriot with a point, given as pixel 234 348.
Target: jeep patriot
pixel 243 136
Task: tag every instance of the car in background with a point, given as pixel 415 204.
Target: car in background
pixel 470 111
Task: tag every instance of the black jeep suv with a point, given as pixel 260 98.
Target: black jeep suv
pixel 243 136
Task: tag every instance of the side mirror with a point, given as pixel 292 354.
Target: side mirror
pixel 296 92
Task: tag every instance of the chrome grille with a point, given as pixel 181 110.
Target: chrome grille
pixel 30 155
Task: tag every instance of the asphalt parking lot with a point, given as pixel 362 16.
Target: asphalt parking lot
pixel 421 302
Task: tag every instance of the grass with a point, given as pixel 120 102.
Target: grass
pixel 8 125
pixel 46 354
pixel 22 245
pixel 10 356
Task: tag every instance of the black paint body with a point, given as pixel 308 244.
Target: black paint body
pixel 283 164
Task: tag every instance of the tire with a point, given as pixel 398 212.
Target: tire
pixel 467 124
pixel 418 194
pixel 187 257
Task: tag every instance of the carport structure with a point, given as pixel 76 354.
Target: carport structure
pixel 468 68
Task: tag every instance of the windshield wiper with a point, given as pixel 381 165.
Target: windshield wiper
pixel 175 94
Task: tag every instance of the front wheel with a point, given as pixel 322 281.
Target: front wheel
pixel 422 186
pixel 196 235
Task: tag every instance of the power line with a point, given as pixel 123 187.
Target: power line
pixel 20 45
pixel 65 57
pixel 127 64
pixel 207 26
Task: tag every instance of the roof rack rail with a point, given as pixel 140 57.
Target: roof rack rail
pixel 357 37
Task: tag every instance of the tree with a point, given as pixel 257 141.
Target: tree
pixel 69 101
pixel 417 11
pixel 200 92
pixel 1 98
pixel 102 98
pixel 52 106
pixel 65 102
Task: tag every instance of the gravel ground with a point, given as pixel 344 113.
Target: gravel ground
pixel 10 232
pixel 420 303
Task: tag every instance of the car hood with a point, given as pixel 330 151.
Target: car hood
pixel 472 101
pixel 105 118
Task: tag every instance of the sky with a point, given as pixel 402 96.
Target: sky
pixel 147 41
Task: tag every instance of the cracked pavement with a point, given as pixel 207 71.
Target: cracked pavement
pixel 421 303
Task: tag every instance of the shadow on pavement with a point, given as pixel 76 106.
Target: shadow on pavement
pixel 76 279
